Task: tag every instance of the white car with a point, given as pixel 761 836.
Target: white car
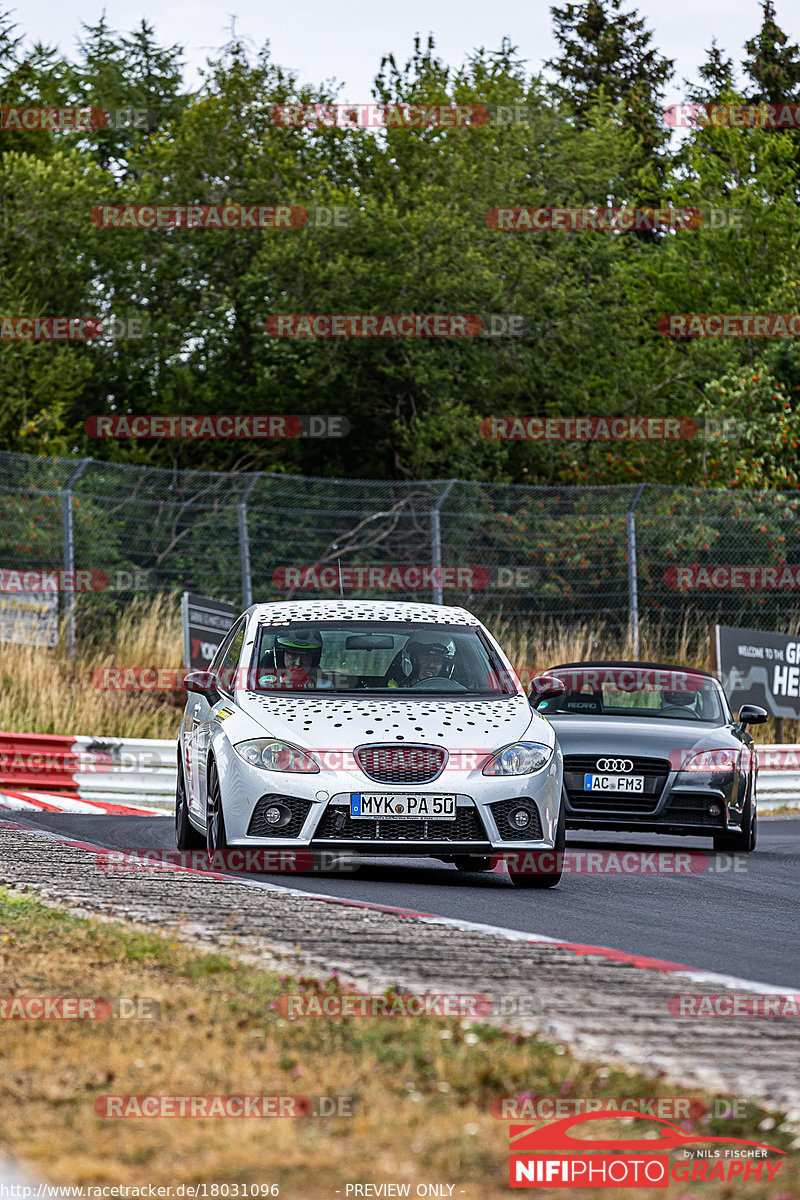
pixel 382 729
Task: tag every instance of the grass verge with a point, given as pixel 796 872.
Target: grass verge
pixel 423 1085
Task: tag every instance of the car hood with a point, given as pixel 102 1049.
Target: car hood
pixel 318 723
pixel 653 738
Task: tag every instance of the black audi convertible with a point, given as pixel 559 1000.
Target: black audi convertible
pixel 654 748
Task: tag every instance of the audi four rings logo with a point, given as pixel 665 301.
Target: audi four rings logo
pixel 614 764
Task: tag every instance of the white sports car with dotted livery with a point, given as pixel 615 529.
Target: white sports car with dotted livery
pixel 376 728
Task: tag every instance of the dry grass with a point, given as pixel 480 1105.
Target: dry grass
pixel 43 691
pixel 424 1085
pixel 687 645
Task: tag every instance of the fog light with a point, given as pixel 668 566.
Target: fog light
pixel 714 810
pixel 521 818
pixel 273 816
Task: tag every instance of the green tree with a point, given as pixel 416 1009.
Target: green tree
pixel 607 51
pixel 772 62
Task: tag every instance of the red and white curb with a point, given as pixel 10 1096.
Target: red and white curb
pixel 63 802
pixel 608 953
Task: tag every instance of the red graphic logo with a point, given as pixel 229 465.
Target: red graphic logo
pixel 552 1157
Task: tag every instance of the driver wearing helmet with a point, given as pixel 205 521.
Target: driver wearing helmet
pixel 424 656
pixel 297 658
pixel 683 700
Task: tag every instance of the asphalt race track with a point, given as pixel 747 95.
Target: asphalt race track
pixel 740 923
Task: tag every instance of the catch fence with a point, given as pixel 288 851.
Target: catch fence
pixel 613 555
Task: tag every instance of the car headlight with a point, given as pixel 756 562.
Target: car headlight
pixel 710 762
pixel 520 759
pixel 274 755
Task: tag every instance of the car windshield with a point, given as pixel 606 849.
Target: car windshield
pixel 655 693
pixel 342 657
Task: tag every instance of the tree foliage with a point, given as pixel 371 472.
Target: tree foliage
pixel 417 241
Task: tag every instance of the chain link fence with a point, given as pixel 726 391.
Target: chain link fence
pixel 520 553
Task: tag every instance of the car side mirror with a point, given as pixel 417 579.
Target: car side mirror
pixel 202 682
pixel 545 687
pixel 752 714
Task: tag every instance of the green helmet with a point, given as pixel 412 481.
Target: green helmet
pixel 301 641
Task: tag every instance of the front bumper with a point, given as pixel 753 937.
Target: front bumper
pixel 672 804
pixel 320 811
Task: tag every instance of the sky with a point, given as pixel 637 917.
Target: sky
pixel 346 39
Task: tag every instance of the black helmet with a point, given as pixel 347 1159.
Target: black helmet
pixel 420 643
pixel 301 641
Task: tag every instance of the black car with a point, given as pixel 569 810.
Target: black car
pixel 655 748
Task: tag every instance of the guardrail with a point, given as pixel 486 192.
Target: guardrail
pixel 778 776
pixel 146 769
pixel 90 768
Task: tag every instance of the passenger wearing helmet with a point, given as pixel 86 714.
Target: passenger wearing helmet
pixel 424 656
pixel 297 659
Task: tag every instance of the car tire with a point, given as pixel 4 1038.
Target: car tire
pixel 186 836
pixel 744 842
pixel 551 879
pixel 473 862
pixel 216 838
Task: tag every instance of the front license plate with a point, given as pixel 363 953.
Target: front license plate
pixel 613 783
pixel 403 808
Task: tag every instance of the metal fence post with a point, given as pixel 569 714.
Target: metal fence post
pixel 68 547
pixel 633 589
pixel 244 542
pixel 436 542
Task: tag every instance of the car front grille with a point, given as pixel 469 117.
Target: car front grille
pixel 401 764
pixel 259 826
pixel 654 770
pixel 508 832
pixel 337 824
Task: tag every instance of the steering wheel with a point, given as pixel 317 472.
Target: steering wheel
pixel 436 683
pixel 675 710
